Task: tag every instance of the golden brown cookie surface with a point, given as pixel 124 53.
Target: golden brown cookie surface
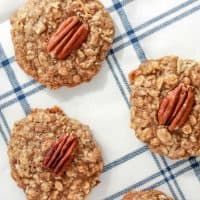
pixel 35 23
pixel 32 139
pixel 165 106
pixel 146 195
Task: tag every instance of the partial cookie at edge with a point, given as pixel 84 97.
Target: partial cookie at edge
pixel 146 195
pixel 150 84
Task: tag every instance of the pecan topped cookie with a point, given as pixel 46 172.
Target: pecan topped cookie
pixel 61 43
pixel 53 156
pixel 165 106
pixel 146 195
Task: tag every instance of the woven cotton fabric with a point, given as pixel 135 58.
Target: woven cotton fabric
pixel 145 29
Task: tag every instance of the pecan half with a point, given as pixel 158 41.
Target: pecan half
pixel 69 36
pixel 176 107
pixel 61 154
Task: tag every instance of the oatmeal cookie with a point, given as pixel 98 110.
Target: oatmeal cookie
pixel 68 58
pixel 32 141
pixel 165 106
pixel 146 195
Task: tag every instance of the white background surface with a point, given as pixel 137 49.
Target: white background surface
pixel 8 7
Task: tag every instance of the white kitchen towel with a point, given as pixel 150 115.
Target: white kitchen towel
pixel 145 29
